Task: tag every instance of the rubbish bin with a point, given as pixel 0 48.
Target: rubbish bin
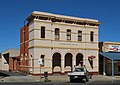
pixel 46 76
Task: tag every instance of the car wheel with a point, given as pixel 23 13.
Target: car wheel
pixel 87 79
pixel 71 79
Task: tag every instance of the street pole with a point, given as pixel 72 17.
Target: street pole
pixel 112 70
pixel 40 72
pixel 40 63
pixel 85 43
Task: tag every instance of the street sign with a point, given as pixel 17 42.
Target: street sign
pixel 40 62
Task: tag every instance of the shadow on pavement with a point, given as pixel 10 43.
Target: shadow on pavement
pixel 3 75
pixel 7 73
pixel 78 81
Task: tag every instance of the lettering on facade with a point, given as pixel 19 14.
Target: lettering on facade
pixel 69 44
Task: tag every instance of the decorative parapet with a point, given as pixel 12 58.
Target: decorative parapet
pixel 61 18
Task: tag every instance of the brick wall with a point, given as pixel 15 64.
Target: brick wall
pixel 100 46
pixel 11 64
pixel 24 32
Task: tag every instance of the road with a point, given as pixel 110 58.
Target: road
pixel 18 79
pixel 62 83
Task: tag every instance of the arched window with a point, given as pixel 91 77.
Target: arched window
pixel 57 33
pixel 68 34
pixel 79 59
pixel 79 35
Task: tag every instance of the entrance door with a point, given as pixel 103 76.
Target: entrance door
pixel 79 59
pixel 56 62
pixel 68 62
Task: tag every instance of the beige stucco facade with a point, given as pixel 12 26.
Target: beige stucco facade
pixel 49 46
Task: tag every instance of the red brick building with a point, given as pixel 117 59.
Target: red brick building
pixel 15 59
pixel 24 37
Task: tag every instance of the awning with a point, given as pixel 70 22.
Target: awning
pixel 111 55
pixel 114 56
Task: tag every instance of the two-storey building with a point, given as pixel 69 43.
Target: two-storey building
pixel 62 42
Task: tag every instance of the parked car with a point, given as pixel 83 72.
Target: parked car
pixel 79 73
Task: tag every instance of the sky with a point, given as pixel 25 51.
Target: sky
pixel 14 12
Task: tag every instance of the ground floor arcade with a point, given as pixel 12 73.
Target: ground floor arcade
pixel 62 61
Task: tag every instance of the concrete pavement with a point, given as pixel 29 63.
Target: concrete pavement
pixel 53 78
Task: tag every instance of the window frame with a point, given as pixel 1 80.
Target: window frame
pixel 68 34
pixel 79 35
pixel 91 36
pixel 57 33
pixel 42 31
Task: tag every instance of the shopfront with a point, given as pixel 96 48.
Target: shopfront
pixel 109 58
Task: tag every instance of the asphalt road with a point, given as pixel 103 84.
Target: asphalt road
pixel 18 79
pixel 62 83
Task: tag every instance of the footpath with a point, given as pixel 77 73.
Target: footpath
pixel 52 78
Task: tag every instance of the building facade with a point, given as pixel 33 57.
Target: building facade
pixel 9 59
pixel 105 63
pixel 62 42
pixel 24 38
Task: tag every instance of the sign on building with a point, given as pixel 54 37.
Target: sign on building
pixel 114 48
pixel 40 62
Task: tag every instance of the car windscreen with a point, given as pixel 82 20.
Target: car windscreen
pixel 79 70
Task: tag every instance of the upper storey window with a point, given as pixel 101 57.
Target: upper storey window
pixel 57 33
pixel 79 35
pixel 42 32
pixel 91 36
pixel 68 34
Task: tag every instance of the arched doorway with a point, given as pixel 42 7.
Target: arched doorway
pixel 79 59
pixel 68 61
pixel 56 62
